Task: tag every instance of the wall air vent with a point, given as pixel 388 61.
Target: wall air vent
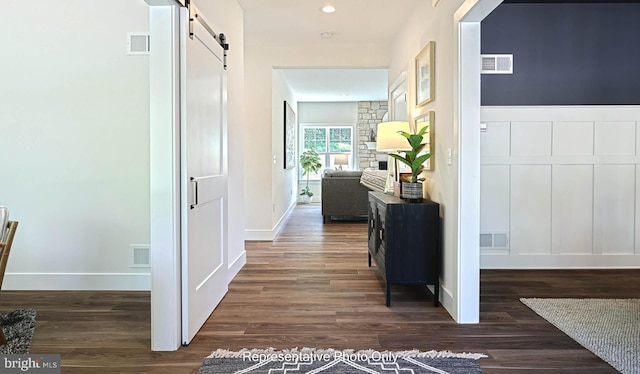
pixel 497 64
pixel 140 256
pixel 494 240
pixel 137 43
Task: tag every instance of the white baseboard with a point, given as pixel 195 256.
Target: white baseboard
pixel 269 235
pixel 259 235
pixel 585 261
pixel 446 300
pixel 77 281
pixel 92 281
pixel 236 265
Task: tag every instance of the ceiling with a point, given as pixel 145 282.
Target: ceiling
pixel 291 22
pixel 338 84
pixel 301 21
pixel 567 1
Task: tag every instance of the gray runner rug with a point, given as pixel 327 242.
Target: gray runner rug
pixel 610 328
pixel 18 329
pixel 330 361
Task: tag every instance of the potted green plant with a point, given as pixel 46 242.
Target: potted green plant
pixel 310 163
pixel 412 190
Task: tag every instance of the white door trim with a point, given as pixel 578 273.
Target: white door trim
pixel 466 132
pixel 164 178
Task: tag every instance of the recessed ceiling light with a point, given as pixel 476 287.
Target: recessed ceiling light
pixel 328 8
pixel 326 35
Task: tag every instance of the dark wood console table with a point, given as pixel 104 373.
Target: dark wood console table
pixel 404 240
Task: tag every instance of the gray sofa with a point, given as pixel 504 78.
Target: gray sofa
pixel 343 195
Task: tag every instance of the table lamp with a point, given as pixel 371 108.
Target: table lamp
pixel 389 141
pixel 341 160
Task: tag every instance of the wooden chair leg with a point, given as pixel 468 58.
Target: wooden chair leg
pixel 3 340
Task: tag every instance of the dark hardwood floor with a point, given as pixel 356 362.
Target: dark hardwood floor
pixel 312 288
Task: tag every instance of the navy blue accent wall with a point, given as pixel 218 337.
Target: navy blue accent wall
pixel 564 54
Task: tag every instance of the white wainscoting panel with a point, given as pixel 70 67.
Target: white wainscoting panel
pixel 572 209
pixel 494 208
pixel 615 139
pixel 495 141
pixel 573 194
pixel 530 193
pixel 531 139
pixel 494 198
pixel 614 209
pixel 637 226
pixel 573 138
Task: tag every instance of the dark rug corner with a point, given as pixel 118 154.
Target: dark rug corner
pixel 18 327
pixel 330 361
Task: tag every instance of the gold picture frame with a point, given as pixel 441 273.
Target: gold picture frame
pixel 425 75
pixel 428 119
pixel 398 103
pixel 289 137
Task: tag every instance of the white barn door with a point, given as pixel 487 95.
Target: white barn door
pixel 203 173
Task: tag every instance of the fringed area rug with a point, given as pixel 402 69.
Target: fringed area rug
pixel 610 328
pixel 18 329
pixel 331 361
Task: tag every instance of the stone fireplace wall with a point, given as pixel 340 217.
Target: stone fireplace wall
pixel 370 113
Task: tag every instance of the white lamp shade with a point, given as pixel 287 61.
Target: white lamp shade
pixel 342 160
pixel 388 138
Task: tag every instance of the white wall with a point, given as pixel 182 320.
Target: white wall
pixel 562 183
pixel 258 164
pixel 264 166
pixel 234 29
pixel 344 112
pixel 264 178
pixel 283 181
pixel 441 185
pixel 75 122
pixel 74 135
